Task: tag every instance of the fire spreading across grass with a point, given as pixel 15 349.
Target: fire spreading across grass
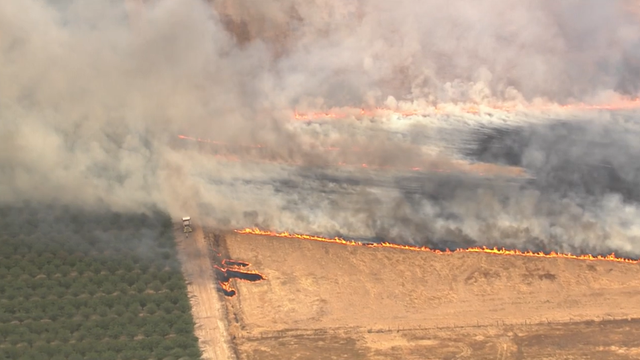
pixel 471 109
pixel 227 270
pixel 494 251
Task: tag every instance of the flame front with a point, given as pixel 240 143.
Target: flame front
pixel 630 104
pixel 494 251
pixel 235 269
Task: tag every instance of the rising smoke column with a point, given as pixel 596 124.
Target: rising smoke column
pixel 90 102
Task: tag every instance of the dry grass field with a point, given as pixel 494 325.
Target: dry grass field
pixel 330 301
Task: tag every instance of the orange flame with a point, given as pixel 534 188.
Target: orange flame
pixel 235 269
pixel 494 251
pixel 469 109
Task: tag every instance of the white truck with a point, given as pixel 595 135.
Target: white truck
pixel 186 225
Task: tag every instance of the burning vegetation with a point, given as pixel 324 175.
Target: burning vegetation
pixel 227 270
pixel 494 251
pixel 233 269
pixel 472 109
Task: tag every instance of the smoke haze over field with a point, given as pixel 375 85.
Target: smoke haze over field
pixel 94 94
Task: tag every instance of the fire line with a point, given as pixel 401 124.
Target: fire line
pixel 631 104
pixel 227 269
pixel 485 250
pixel 226 273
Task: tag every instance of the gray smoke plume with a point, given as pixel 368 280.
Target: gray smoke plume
pixel 94 94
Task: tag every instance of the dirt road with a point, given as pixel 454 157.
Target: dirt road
pixel 206 302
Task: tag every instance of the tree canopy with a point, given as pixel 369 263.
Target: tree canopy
pixel 78 284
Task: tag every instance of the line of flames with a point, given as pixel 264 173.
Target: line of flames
pixel 240 268
pixel 485 250
pixel 631 104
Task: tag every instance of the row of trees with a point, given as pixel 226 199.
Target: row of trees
pixel 79 262
pixel 12 312
pixel 54 250
pixel 171 300
pixel 155 347
pixel 125 327
pixel 28 287
pixel 83 285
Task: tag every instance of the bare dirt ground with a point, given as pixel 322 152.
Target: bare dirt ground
pixel 206 302
pixel 330 301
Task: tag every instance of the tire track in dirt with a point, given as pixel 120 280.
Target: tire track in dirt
pixel 206 302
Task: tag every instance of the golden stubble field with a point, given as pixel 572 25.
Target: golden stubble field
pixel 330 301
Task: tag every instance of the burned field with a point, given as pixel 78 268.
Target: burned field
pixel 358 302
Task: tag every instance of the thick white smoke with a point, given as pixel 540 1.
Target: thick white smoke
pixel 93 95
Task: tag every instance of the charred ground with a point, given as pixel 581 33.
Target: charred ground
pixel 225 269
pixel 585 157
